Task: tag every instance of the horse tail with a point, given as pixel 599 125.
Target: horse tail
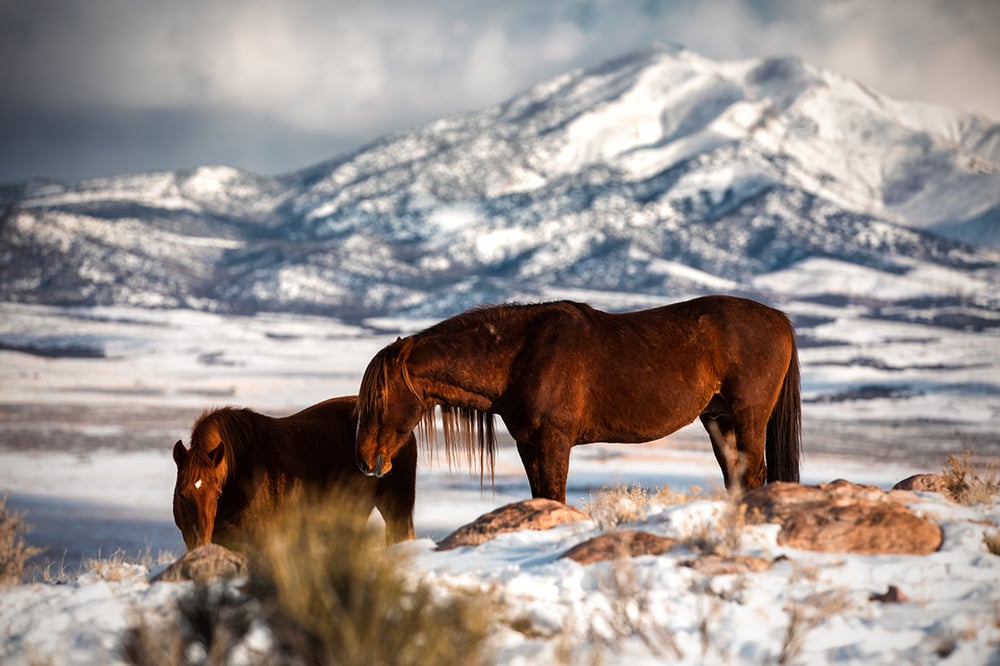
pixel 784 428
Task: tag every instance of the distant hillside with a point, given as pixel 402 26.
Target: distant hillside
pixel 661 173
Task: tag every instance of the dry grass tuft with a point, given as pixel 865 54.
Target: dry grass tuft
pixel 631 609
pixel 327 591
pixel 118 566
pixel 969 486
pixel 725 535
pixel 628 615
pixel 614 506
pixel 330 592
pixel 804 616
pixel 668 497
pixel 210 622
pixel 14 552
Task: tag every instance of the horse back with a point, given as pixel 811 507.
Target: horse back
pixel 316 445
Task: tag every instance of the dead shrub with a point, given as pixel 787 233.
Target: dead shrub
pixel 14 552
pixel 630 610
pixel 628 615
pixel 667 497
pixel 724 536
pixel 804 616
pixel 969 486
pixel 210 622
pixel 331 593
pixel 614 506
pixel 326 590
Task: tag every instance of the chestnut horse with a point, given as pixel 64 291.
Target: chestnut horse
pixel 242 465
pixel 561 374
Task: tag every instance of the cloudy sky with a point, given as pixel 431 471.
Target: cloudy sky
pixel 99 87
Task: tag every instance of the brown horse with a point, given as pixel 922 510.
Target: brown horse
pixel 561 374
pixel 242 465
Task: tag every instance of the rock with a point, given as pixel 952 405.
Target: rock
pixel 533 514
pixel 205 563
pixel 618 544
pixel 930 483
pixel 724 565
pixel 843 517
pixel 892 596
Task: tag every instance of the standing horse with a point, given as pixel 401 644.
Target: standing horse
pixel 561 374
pixel 242 465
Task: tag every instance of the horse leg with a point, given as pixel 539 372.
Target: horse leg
pixel 720 431
pixel 395 495
pixel 751 434
pixel 397 513
pixel 547 466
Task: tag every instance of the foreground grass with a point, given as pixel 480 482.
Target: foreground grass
pixel 324 590
pixel 967 484
pixel 329 592
pixel 14 552
pixel 332 593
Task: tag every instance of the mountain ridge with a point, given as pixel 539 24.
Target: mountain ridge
pixel 597 179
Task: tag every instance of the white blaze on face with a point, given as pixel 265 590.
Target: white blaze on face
pixel 197 484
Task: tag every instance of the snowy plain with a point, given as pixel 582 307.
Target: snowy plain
pixel 87 430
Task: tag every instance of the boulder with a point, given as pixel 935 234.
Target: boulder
pixel 893 595
pixel 618 544
pixel 843 517
pixel 725 565
pixel 533 514
pixel 931 483
pixel 204 564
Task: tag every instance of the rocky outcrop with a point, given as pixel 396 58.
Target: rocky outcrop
pixel 204 564
pixel 843 517
pixel 727 565
pixel 618 544
pixel 533 514
pixel 931 483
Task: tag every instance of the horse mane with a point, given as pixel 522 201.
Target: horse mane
pixel 483 315
pixel 468 433
pixel 233 425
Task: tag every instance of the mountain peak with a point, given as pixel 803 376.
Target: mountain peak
pixel 659 173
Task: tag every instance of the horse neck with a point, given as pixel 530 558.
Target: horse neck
pixel 466 368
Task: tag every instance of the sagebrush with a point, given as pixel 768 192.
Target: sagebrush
pixel 968 485
pixel 328 591
pixel 14 551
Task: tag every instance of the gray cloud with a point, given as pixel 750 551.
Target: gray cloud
pixel 105 86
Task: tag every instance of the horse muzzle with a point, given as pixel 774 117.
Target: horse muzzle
pixel 379 468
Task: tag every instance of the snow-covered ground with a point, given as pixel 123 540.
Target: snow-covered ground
pixel 85 450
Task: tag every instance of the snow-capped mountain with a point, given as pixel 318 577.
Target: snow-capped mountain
pixel 661 173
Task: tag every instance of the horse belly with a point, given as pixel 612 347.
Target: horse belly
pixel 645 409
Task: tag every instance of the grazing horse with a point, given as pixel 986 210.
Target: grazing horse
pixel 242 465
pixel 561 374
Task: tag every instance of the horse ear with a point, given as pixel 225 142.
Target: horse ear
pixel 218 455
pixel 180 453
